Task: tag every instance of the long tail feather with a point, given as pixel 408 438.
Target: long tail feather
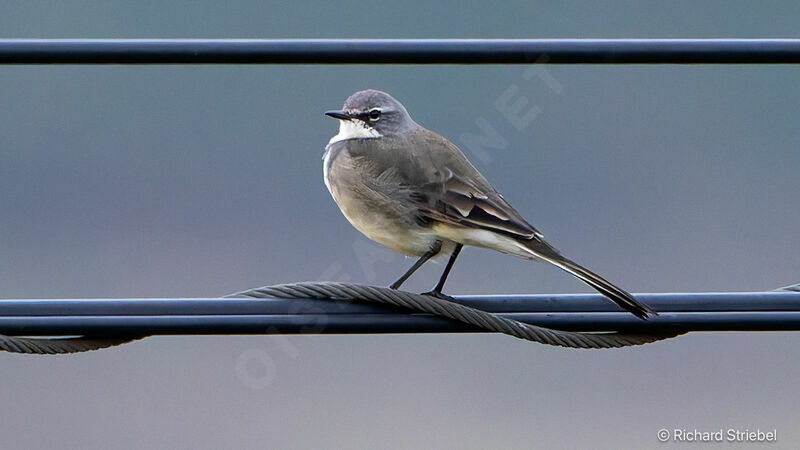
pixel 619 296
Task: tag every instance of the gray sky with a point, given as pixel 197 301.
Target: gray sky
pixel 201 181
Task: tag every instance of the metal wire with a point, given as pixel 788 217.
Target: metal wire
pixel 61 346
pixel 456 311
pixel 344 291
pixel 399 51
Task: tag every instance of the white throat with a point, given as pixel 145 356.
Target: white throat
pixel 354 129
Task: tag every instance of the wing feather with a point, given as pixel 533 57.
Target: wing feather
pixel 461 202
pixel 434 176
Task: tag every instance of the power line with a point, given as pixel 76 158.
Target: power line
pixel 399 51
pixel 736 311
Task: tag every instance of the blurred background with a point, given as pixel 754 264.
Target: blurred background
pixel 200 181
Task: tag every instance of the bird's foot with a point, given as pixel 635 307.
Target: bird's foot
pixel 439 295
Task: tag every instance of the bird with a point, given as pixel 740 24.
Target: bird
pixel 415 192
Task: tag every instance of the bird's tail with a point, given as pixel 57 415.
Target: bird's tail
pixel 543 250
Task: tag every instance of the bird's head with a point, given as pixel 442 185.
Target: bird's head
pixel 371 114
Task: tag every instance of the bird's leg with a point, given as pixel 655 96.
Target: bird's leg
pixel 437 246
pixel 437 290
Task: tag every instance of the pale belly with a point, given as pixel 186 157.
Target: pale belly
pixel 374 216
pixel 386 229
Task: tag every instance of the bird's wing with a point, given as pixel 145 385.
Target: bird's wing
pixel 451 190
pixel 463 203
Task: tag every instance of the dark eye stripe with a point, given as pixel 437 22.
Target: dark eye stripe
pixel 368 116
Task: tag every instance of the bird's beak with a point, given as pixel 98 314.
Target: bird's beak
pixel 341 115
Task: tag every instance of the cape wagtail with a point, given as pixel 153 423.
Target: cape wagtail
pixel 415 192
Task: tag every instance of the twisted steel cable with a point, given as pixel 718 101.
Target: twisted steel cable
pixel 61 346
pixel 456 311
pixel 355 292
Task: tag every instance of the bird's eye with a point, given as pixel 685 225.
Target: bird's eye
pixel 374 115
